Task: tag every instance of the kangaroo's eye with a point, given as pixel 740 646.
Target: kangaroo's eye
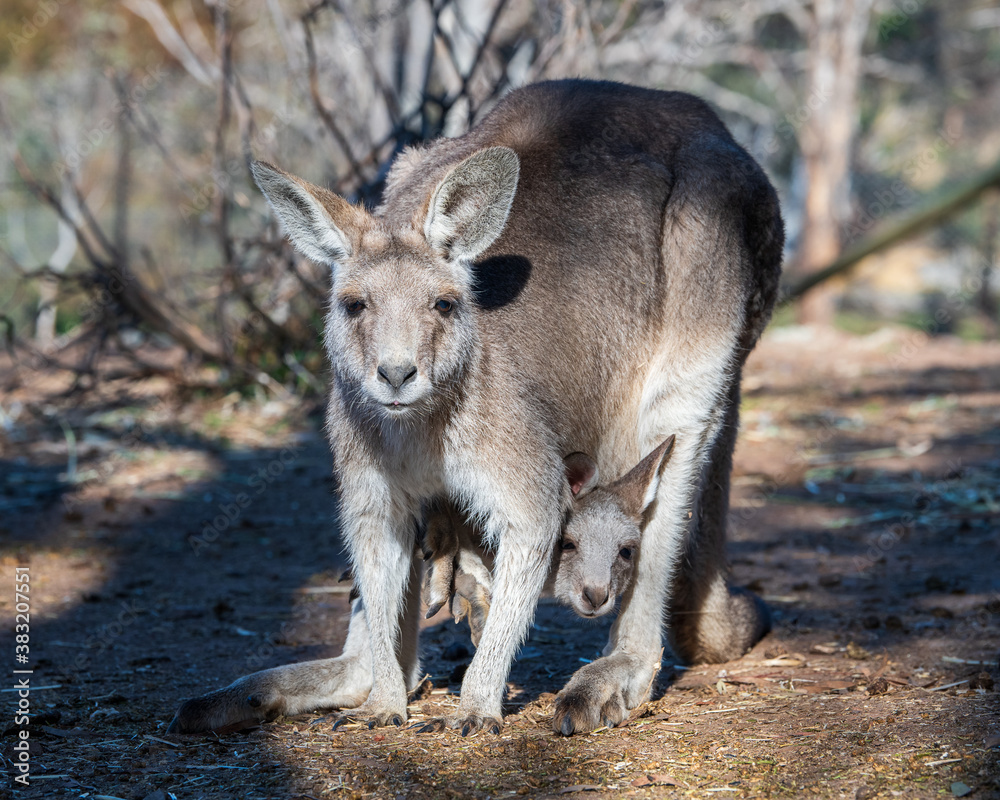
pixel 444 305
pixel 354 306
pixel 567 545
pixel 626 553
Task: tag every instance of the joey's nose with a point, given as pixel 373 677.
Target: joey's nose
pixel 397 374
pixel 596 596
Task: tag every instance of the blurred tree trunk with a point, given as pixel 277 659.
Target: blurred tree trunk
pixel 48 286
pixel 123 175
pixel 830 113
pixel 985 301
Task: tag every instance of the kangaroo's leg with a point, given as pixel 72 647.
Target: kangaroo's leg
pixel 341 682
pixel 602 692
pixel 441 547
pixel 380 533
pixel 473 582
pixel 338 682
pixel 455 570
pixel 409 628
pixel 711 620
pixel 521 565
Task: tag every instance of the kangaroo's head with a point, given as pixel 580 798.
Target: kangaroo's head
pixel 600 541
pixel 402 321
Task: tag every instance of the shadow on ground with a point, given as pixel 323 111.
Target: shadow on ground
pixel 168 563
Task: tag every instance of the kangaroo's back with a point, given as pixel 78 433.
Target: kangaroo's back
pixel 626 197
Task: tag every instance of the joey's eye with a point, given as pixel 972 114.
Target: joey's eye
pixel 626 553
pixel 354 306
pixel 444 305
pixel 566 544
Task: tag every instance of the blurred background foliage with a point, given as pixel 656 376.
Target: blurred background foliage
pixel 129 224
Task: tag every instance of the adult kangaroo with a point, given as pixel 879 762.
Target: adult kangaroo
pixel 586 270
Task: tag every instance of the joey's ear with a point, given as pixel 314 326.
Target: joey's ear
pixel 320 224
pixel 636 490
pixel 470 206
pixel 581 472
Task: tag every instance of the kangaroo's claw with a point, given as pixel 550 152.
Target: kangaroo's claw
pixel 363 717
pixel 473 724
pixel 594 695
pixel 433 608
pixel 436 725
pixel 467 726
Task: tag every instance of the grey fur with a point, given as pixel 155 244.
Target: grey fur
pixel 638 264
pixel 594 562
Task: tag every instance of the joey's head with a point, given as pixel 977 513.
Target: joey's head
pixel 601 538
pixel 401 327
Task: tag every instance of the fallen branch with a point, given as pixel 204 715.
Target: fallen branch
pixel 895 232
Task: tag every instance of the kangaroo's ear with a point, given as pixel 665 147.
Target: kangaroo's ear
pixel 471 204
pixel 581 472
pixel 636 490
pixel 320 224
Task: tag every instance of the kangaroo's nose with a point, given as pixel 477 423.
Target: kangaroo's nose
pixel 596 596
pixel 397 374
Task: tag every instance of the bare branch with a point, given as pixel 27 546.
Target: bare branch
pixel 487 35
pixel 321 109
pixel 172 41
pixel 131 294
pixel 388 96
pixel 617 25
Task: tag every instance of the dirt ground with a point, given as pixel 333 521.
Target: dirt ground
pixel 175 543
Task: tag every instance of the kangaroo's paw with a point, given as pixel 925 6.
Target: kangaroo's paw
pixel 471 600
pixel 370 717
pixel 577 712
pixel 469 725
pixel 438 583
pixel 435 725
pixel 233 706
pixel 602 693
pixel 474 723
pixel 262 696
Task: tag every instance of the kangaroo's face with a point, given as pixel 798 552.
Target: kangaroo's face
pixel 402 321
pixel 401 324
pixel 598 552
pixel 600 542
